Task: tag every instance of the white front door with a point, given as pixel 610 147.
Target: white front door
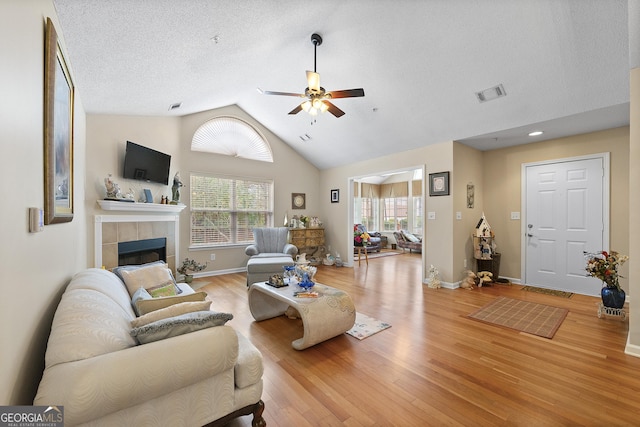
pixel 564 216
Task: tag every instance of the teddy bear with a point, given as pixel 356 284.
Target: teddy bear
pixel 470 281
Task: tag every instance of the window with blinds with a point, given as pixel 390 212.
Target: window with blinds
pixel 225 210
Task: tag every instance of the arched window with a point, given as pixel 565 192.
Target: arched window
pixel 231 136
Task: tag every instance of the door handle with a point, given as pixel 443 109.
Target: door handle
pixel 529 226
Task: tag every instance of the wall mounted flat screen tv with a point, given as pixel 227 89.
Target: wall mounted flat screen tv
pixel 146 164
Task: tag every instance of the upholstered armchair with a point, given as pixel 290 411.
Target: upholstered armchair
pixel 374 238
pixel 271 242
pixel 269 254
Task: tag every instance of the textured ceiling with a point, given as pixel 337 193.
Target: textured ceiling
pixel 564 64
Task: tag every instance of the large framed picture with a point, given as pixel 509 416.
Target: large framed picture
pixel 58 132
pixel 439 184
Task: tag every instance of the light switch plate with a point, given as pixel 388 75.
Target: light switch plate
pixel 36 220
pixel 515 215
pixel 431 215
pixel 458 215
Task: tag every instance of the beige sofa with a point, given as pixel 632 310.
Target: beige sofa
pixel 102 376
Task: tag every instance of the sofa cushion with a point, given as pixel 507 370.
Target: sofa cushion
pixel 248 369
pixel 144 306
pixel 171 311
pixel 92 319
pixel 179 325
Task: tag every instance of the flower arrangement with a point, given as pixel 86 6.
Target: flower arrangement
pixel 190 265
pixel 604 266
pixel 360 238
pixel 304 219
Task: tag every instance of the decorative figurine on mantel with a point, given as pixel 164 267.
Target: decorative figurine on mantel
pixel 176 189
pixel 113 189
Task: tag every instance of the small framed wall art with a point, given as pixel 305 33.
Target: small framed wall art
pixel 439 184
pixel 298 201
pixel 58 133
pixel 335 196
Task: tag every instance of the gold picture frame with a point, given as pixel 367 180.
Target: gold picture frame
pixel 58 132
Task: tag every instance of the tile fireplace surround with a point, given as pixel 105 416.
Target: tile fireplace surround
pixel 109 230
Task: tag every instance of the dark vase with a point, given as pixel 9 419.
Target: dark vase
pixel 612 297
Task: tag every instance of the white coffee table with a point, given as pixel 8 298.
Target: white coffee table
pixel 330 314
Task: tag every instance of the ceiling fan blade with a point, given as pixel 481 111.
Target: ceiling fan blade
pixel 313 79
pixel 296 110
pixel 333 109
pixel 268 92
pixel 349 93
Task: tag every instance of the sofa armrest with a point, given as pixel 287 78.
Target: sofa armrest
pixel 251 250
pixel 97 386
pixel 290 249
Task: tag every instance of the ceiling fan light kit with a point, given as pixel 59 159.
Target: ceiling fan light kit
pixel 317 99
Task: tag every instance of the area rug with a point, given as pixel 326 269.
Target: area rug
pixel 532 318
pixel 366 326
pixel 553 292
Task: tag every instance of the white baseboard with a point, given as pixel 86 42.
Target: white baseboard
pixel 632 349
pixel 220 272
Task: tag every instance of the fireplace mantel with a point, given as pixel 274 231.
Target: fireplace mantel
pixel 112 205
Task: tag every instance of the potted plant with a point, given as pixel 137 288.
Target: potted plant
pixel 604 266
pixel 190 265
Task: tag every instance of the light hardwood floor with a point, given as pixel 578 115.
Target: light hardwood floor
pixel 435 366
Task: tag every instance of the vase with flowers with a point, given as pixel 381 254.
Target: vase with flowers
pixel 360 238
pixel 190 265
pixel 604 266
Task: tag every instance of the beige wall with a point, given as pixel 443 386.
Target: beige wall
pixel 36 266
pixel 438 232
pixel 467 169
pixel 502 183
pixel 107 136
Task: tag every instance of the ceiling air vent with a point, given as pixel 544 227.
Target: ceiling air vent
pixel 491 93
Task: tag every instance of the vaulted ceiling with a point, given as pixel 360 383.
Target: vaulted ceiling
pixel 564 65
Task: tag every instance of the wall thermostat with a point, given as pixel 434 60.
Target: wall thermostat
pixel 36 220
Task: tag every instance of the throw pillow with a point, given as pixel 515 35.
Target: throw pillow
pixel 144 306
pixel 146 277
pixel 410 237
pixel 179 325
pixel 140 294
pixel 166 290
pixel 171 311
pixel 118 271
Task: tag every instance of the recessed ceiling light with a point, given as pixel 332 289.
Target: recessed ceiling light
pixel 536 133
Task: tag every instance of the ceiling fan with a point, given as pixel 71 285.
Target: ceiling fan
pixel 317 99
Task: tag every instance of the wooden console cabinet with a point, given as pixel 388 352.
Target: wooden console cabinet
pixel 306 239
